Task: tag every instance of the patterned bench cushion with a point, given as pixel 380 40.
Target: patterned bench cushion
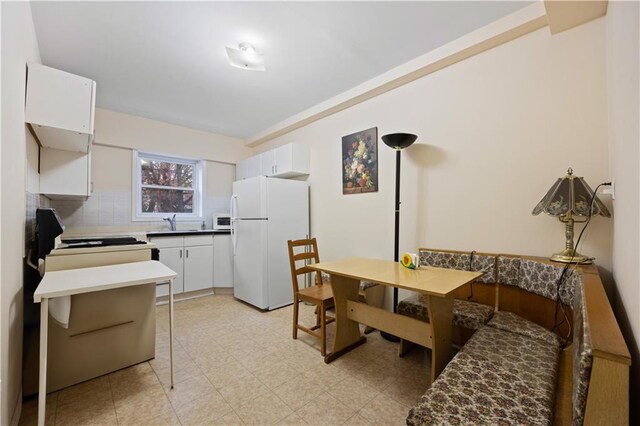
pixel 465 314
pixel 459 260
pixel 497 378
pixel 537 277
pixel 509 321
pixel 582 356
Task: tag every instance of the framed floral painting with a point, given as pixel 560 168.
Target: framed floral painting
pixel 360 162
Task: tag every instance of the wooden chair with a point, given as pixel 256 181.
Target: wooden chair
pixel 318 294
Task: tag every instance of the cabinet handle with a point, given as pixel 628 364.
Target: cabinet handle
pixel 180 253
pixel 187 253
pixel 276 168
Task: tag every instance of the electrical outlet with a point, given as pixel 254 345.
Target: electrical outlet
pixel 610 190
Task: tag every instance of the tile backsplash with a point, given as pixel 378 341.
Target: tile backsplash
pixel 114 209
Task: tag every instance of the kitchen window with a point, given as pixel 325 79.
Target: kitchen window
pixel 164 185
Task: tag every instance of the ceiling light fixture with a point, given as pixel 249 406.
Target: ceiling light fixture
pixel 246 57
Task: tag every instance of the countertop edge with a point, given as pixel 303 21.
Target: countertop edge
pixel 186 233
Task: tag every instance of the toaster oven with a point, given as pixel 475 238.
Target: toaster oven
pixel 221 221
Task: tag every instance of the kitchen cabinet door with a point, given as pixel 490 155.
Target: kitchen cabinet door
pixel 241 169
pixel 65 174
pixel 198 268
pixel 222 261
pixel 268 163
pixel 291 160
pixel 172 258
pixel 254 166
pixel 60 108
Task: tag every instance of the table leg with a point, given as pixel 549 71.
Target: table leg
pixel 441 317
pixel 171 330
pixel 348 334
pixel 42 386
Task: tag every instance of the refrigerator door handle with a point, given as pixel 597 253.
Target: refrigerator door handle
pixel 234 239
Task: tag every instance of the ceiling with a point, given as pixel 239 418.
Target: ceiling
pixel 166 60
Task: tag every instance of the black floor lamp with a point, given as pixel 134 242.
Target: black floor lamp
pixel 397 141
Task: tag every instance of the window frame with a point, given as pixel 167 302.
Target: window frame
pixel 136 195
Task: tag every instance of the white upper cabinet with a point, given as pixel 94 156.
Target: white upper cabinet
pixel 291 160
pixel 268 160
pixel 60 108
pixel 254 166
pixel 242 169
pixel 286 161
pixel 65 174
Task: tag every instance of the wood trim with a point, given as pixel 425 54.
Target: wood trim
pixel 399 325
pixel 566 14
pixel 608 397
pixel 606 338
pixel 563 408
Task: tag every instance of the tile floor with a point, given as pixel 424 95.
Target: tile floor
pixel 237 365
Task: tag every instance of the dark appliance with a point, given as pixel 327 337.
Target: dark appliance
pixel 48 227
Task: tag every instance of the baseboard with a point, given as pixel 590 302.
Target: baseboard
pixel 223 290
pixel 180 297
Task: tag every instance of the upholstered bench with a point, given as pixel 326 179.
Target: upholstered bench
pixel 467 314
pixel 507 373
pixel 498 377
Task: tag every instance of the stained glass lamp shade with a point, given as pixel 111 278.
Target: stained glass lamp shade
pixel 569 197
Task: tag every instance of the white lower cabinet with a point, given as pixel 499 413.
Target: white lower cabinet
pixel 222 261
pixel 198 268
pixel 191 258
pixel 172 259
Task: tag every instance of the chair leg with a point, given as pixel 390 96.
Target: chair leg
pixel 323 330
pixel 318 314
pixel 296 303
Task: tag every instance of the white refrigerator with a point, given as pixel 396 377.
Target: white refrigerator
pixel 265 213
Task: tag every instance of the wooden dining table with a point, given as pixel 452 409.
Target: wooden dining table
pixel 437 284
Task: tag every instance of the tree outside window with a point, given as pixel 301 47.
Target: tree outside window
pixel 167 185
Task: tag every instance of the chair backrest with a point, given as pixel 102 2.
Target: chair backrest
pixel 303 251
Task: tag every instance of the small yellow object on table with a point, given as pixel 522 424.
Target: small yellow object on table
pixel 409 260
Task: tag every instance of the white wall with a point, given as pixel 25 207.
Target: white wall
pixel 130 131
pixel 495 131
pixel 623 72
pixel 19 45
pixel 109 207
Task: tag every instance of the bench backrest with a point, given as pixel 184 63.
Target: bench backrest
pixel 464 261
pixel 537 277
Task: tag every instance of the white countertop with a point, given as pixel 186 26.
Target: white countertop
pixel 87 280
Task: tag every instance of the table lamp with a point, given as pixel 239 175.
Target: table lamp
pixel 568 197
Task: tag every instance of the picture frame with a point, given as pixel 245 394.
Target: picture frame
pixel 360 162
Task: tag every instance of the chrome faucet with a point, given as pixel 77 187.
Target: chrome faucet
pixel 172 221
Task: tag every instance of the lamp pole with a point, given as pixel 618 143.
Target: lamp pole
pixel 396 243
pixel 397 141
